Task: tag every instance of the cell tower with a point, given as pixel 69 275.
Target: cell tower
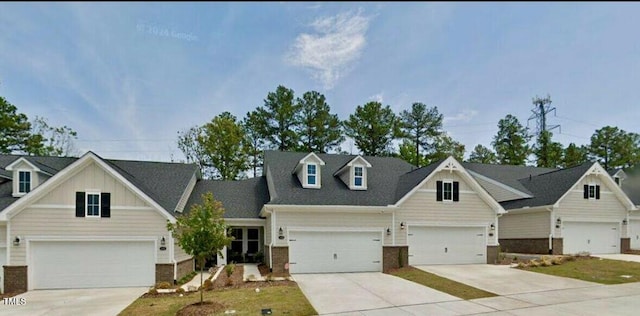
pixel 542 107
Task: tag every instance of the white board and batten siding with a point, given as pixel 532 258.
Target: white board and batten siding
pixel 528 224
pixel 422 209
pixel 52 217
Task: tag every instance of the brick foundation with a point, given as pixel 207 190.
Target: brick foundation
pixel 394 257
pixel 164 272
pixel 557 246
pixel 185 267
pixel 526 245
pixel 492 254
pixel 280 258
pixel 625 245
pixel 15 279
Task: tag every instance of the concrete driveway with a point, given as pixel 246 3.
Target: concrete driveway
pixel 620 256
pixel 357 292
pixel 503 280
pixel 110 301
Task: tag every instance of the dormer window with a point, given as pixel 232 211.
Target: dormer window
pixel 24 182
pixel 312 173
pixel 358 175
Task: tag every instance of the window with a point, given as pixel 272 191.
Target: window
pixel 24 181
pixel 448 191
pixel 93 204
pixel 253 240
pixel 592 191
pixel 617 180
pixel 357 176
pixel 311 174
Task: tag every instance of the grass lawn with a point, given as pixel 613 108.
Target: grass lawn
pixel 282 299
pixel 594 270
pixel 441 284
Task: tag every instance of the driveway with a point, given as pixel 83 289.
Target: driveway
pixel 620 256
pixel 110 301
pixel 355 292
pixel 503 280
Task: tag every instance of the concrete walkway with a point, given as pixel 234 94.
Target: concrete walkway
pixel 194 284
pixel 251 272
pixel 620 256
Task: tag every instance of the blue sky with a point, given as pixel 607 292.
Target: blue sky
pixel 128 76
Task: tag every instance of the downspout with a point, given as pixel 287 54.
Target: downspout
pixel 393 224
pixel 271 242
pixel 552 227
pixel 173 256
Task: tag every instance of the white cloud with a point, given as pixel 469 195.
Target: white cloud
pixel 379 97
pixel 330 51
pixel 464 116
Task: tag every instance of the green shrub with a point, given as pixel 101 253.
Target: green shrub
pixel 180 290
pixel 208 285
pixel 153 291
pixel 187 277
pixel 163 285
pixel 229 269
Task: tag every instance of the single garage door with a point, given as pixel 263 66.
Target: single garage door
pixel 634 233
pixel 447 245
pixel 318 252
pixel 91 264
pixel 595 238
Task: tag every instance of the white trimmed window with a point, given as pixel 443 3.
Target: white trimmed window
pixel 592 191
pixel 312 174
pixel 358 176
pixel 447 190
pixel 24 182
pixel 93 204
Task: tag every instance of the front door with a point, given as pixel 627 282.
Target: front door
pixel 245 246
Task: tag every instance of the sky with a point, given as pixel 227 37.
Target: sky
pixel 128 76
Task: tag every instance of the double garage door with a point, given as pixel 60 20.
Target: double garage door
pixel 447 245
pixel 91 264
pixel 595 238
pixel 336 251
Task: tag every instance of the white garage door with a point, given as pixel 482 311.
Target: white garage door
pixel 3 261
pixel 447 245
pixel 595 238
pixel 90 264
pixel 634 233
pixel 317 252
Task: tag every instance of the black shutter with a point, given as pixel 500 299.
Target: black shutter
pixel 105 205
pixel 597 192
pixel 586 191
pixel 438 190
pixel 80 204
pixel 456 191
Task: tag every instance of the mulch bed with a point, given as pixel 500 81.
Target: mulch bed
pixel 207 308
pixel 632 252
pixel 11 294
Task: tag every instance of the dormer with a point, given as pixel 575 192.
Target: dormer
pixel 308 171
pixel 25 176
pixel 619 176
pixel 354 173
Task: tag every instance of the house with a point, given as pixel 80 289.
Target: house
pixel 559 211
pixel 90 222
pixel 629 181
pixel 349 213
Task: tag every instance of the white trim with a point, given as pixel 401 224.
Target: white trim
pixel 450 182
pixel 306 175
pixel 304 159
pixel 335 229
pixel 363 179
pixel 70 171
pixel 333 208
pixel 16 192
pixel 257 222
pixel 351 163
pixel 86 203
pixel 486 228
pixel 22 159
pixel 434 191
pixel 450 164
pixel 71 207
pixel 597 170
pixel 499 184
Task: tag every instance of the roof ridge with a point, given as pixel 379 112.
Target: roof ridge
pixel 557 170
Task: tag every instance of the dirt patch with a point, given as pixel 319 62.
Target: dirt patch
pixel 204 309
pixel 224 281
pixel 264 270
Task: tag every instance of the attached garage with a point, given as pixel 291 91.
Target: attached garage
pixel 91 264
pixel 634 233
pixel 446 245
pixel 335 251
pixel 592 237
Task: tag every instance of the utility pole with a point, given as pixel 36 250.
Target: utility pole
pixel 542 107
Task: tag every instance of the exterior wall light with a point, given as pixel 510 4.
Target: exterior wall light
pixel 163 241
pixel 402 225
pixel 624 221
pixel 16 241
pixel 388 231
pixel 280 233
pixel 558 222
pixel 492 228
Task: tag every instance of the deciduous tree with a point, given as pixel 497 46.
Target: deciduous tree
pixel 225 146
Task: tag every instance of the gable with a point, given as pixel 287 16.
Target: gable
pixel 91 178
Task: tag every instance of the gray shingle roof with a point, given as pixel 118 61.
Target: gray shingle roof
pixel 548 188
pixel 240 199
pixel 507 174
pixel 163 182
pixel 410 180
pixel 631 185
pixel 382 180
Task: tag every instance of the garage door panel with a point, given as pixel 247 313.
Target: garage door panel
pixel 595 238
pixel 446 245
pixel 634 233
pixel 326 252
pixel 80 264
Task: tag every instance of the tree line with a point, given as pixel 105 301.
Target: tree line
pixel 230 148
pixel 19 135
